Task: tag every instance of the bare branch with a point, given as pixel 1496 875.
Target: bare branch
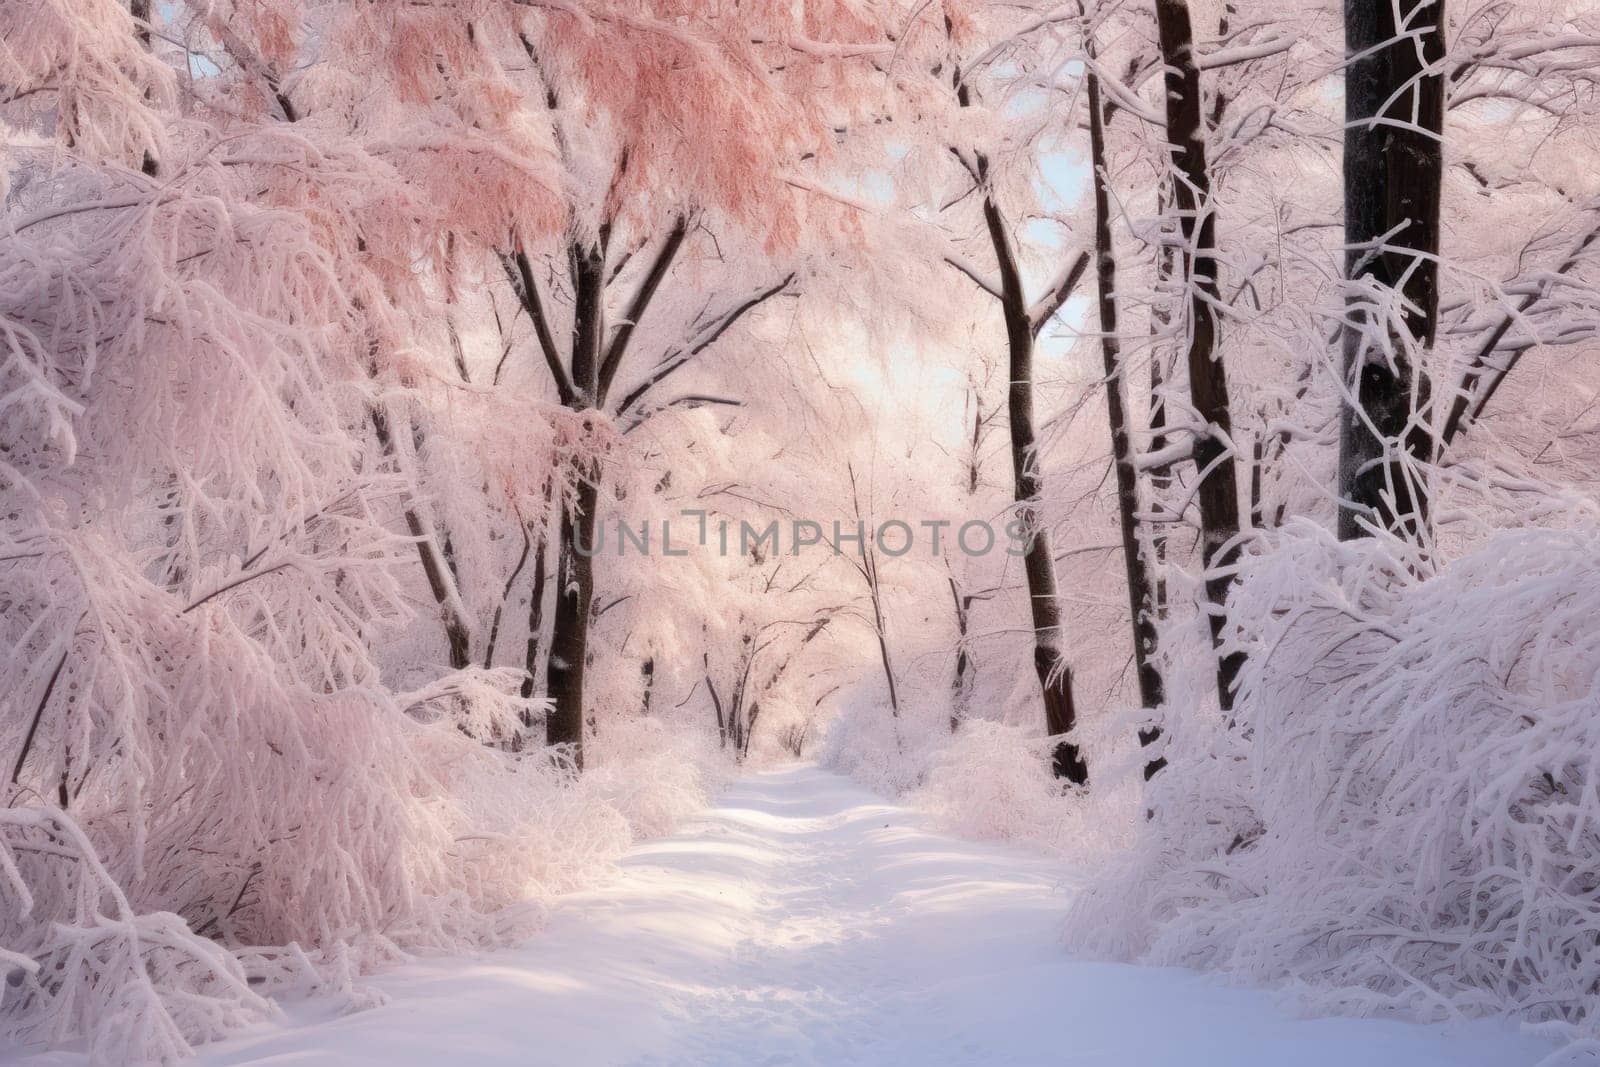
pixel 1481 379
pixel 691 400
pixel 988 285
pixel 639 304
pixel 1060 289
pixel 704 338
pixel 520 273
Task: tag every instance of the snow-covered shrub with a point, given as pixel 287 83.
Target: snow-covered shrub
pixel 1404 813
pixel 993 782
pixel 223 762
pixel 652 772
pixel 78 962
pixel 887 753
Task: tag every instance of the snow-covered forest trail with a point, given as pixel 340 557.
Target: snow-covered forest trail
pixel 803 920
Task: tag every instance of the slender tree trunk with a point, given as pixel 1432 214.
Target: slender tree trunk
pixel 1393 164
pixel 1208 379
pixel 716 702
pixel 1161 472
pixel 1141 595
pixel 961 684
pixel 458 636
pixel 1055 676
pixel 530 660
pixel 977 440
pixel 500 608
pixel 888 668
pixel 738 723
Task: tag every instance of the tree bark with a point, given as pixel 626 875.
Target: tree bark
pixel 879 627
pixel 1141 595
pixel 569 632
pixel 716 702
pixel 1218 491
pixel 961 684
pixel 1160 473
pixel 1393 165
pixel 1055 676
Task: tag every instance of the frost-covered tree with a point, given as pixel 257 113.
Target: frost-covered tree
pixel 681 173
pixel 1393 174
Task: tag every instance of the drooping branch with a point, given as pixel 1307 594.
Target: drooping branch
pixel 234 583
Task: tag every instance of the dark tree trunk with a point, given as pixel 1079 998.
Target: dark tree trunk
pixel 580 525
pixel 1392 178
pixel 977 440
pixel 1141 595
pixel 879 627
pixel 569 632
pixel 1208 379
pixel 961 684
pixel 515 742
pixel 1055 677
pixel 716 702
pixel 540 536
pixel 1161 472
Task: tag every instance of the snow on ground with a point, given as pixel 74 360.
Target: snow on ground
pixel 803 920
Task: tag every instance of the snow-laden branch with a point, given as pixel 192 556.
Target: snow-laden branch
pixel 1246 53
pixel 707 332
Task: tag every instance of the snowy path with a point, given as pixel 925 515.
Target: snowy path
pixel 803 920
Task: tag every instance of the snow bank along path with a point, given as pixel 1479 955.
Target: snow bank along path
pixel 803 920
